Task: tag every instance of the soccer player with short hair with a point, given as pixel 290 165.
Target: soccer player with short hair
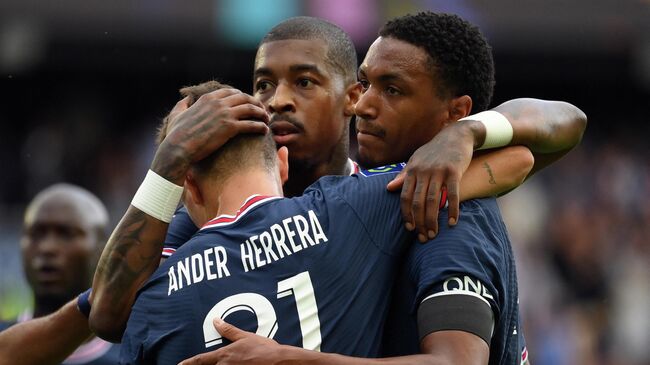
pixel 295 83
pixel 64 231
pixel 312 271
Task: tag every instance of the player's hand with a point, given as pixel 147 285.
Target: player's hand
pixel 246 348
pixel 197 131
pixel 436 166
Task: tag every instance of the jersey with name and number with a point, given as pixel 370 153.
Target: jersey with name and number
pixel 314 271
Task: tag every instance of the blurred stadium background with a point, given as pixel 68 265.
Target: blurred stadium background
pixel 84 84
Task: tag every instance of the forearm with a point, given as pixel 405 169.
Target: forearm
pixel 130 257
pixel 299 356
pixel 131 254
pixel 544 126
pixel 496 172
pixel 44 340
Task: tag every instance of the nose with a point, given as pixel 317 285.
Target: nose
pixel 366 108
pixel 49 243
pixel 282 100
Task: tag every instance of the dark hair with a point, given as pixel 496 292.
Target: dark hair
pixel 459 54
pixel 340 50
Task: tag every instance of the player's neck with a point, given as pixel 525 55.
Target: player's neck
pixel 302 175
pixel 237 189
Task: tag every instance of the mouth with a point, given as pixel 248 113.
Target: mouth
pixel 368 130
pixel 48 274
pixel 284 132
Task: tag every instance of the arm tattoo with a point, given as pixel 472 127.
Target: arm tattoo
pixel 130 255
pixel 487 167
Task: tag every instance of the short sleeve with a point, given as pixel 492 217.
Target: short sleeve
pixel 457 276
pixel 180 230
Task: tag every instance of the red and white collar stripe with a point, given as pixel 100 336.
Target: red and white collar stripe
pixel 354 167
pixel 250 203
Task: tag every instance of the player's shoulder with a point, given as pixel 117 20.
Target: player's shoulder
pixel 363 181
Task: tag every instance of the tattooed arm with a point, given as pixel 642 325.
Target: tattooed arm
pixel 132 252
pixel 548 128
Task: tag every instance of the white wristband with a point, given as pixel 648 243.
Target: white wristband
pixel 498 130
pixel 157 197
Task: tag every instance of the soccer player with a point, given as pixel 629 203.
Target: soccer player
pixel 313 270
pixel 64 233
pixel 434 69
pixel 294 81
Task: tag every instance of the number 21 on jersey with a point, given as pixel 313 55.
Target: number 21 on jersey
pixel 299 286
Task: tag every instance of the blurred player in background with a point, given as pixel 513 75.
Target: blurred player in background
pixel 63 236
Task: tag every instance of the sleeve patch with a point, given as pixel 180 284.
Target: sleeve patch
pixel 383 169
pixel 456 310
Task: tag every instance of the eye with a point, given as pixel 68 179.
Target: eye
pixel 305 83
pixel 390 90
pixel 364 84
pixel 263 85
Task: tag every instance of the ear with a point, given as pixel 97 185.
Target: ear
pixel 193 194
pixel 352 95
pixel 283 163
pixel 460 107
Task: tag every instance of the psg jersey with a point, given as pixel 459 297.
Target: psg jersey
pixel 314 271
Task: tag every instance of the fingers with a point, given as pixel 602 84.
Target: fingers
pixel 406 200
pixel 419 205
pixel 432 208
pixel 180 106
pixel 229 331
pixel 397 182
pixel 453 198
pixel 208 358
pixel 249 111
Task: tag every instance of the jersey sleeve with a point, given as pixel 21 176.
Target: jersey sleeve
pixel 456 276
pixel 132 344
pixel 365 196
pixel 180 230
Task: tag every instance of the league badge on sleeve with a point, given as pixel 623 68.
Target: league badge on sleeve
pixel 383 169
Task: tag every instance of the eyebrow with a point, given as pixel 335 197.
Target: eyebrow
pixel 305 67
pixel 386 77
pixel 262 71
pixel 265 71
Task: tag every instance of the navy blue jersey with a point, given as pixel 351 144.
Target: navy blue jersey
pixel 473 260
pixel 93 352
pixel 314 271
pixel 180 230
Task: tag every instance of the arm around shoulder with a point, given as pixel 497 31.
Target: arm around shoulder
pixel 549 129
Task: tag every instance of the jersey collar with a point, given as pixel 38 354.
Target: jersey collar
pixel 250 203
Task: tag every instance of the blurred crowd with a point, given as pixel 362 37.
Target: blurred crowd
pixel 581 231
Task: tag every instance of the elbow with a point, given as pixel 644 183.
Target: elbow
pixel 523 161
pixel 106 325
pixel 581 122
pixel 578 122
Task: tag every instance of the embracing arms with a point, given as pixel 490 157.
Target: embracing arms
pixel 133 251
pixel 549 129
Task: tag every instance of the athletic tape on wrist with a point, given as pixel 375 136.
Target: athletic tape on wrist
pixel 83 302
pixel 498 130
pixel 157 197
